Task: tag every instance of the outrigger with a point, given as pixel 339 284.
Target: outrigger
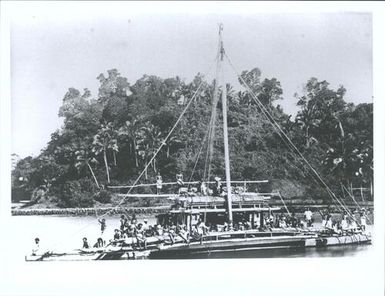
pixel 224 211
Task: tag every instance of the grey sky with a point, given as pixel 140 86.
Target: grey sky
pixel 51 52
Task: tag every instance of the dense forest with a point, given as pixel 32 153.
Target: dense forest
pixel 109 139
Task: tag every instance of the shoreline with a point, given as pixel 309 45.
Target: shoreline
pixel 89 211
pixel 293 205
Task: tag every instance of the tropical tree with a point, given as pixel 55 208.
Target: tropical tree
pixel 112 86
pixel 149 141
pixel 130 131
pixel 84 158
pixel 270 91
pixel 267 91
pixel 320 111
pixel 103 141
pixel 126 124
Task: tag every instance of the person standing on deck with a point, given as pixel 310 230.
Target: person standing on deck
pixel 203 188
pixel 329 223
pixel 218 187
pixel 324 220
pixel 180 183
pixel 202 229
pixel 134 221
pixel 344 224
pixel 363 222
pixel 145 225
pixel 308 215
pixel 353 225
pixel 123 221
pixel 159 184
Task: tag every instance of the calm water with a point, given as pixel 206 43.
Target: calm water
pixel 66 233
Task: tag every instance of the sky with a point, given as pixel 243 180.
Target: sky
pixel 63 46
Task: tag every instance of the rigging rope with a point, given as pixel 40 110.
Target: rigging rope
pixel 164 141
pixel 214 111
pixel 280 196
pixel 351 195
pixel 278 128
pixel 198 156
pixel 149 162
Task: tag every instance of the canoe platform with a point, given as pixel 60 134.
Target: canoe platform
pixel 214 242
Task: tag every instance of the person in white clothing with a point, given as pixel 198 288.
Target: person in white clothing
pixel 329 223
pixel 36 247
pixel 353 225
pixel 308 217
pixel 203 188
pixel 159 184
pixel 363 222
pixel 344 224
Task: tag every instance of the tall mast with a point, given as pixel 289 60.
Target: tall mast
pixel 211 137
pixel 225 134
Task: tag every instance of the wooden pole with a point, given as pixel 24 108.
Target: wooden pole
pixel 211 137
pixel 225 135
pixel 186 183
pixel 371 188
pixel 362 193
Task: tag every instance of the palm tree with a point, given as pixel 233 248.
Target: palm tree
pixel 149 141
pixel 105 140
pixel 171 140
pixel 84 158
pixel 130 131
pixel 308 123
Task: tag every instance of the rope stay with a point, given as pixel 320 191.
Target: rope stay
pixel 210 137
pixel 163 142
pixel 198 156
pixel 280 196
pixel 283 134
pixel 212 126
pixel 149 162
pixel 359 207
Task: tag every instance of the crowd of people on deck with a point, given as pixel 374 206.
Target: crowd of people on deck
pixel 136 234
pixel 345 225
pixel 201 187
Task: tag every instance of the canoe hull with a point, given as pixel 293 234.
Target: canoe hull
pixel 197 249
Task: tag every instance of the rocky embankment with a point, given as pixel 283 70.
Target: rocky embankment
pixel 299 204
pixel 90 211
pixel 295 205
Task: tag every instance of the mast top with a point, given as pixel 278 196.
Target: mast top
pixel 221 50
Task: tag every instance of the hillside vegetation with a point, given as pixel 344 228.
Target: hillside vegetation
pixel 108 139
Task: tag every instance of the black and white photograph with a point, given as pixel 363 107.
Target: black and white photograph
pixel 198 133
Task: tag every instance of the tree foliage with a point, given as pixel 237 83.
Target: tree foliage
pixel 110 139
